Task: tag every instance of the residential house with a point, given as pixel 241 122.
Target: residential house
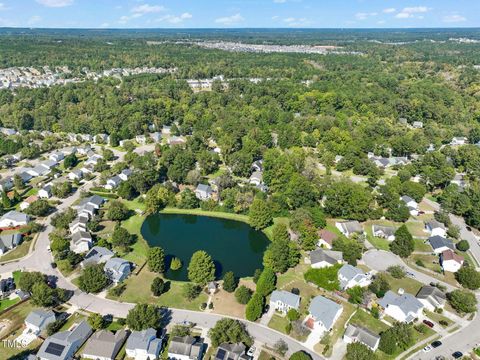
pixel 326 238
pixel 86 137
pixel 83 150
pixel 450 261
pixel 404 308
pixel 320 258
pixel 283 301
pixel 25 176
pixel 256 178
pixel 185 348
pixel 63 345
pixel 69 150
pixel 417 124
pixel 113 182
pixel 79 224
pixel 166 130
pixel 156 137
pixel 81 242
pixel 323 313
pixel 440 244
pixel 203 192
pixel 457 141
pixel 28 201
pixel 459 180
pixel 117 269
pixel 431 297
pixel 348 228
pixel 57 156
pixel 39 170
pixel 101 138
pixel 95 201
pixel 435 228
pixel 6 184
pixel 38 320
pixel 226 351
pixel 141 139
pixel 384 232
pixel 350 276
pixel 97 255
pixel 104 345
pixel 93 160
pixel 13 219
pixel 143 345
pixel 257 165
pixel 7 286
pixel 8 241
pixel 411 204
pixel 76 174
pixel 45 192
pixel 359 334
pixel 125 174
pixel 176 140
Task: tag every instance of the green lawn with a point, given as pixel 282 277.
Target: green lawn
pixel 416 228
pixel 6 303
pixel 278 323
pixel 73 319
pixel 437 317
pixel 362 318
pixel 17 253
pixel 420 245
pixel 138 255
pixel 325 278
pixel 219 214
pixel 138 291
pixel 408 284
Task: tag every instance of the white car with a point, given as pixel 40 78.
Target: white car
pixel 251 351
pixel 427 349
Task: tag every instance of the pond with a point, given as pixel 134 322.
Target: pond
pixel 233 245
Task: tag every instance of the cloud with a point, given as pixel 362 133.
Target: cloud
pixel 147 9
pixel 173 19
pixel 230 20
pixel 364 16
pixel 295 22
pixel 389 10
pixel 410 12
pixel 55 3
pixel 454 18
pixel 104 25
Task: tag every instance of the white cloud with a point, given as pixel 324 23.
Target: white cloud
pixel 410 12
pixel 454 18
pixel 34 20
pixel 364 16
pixel 147 9
pixel 105 25
pixel 123 19
pixel 230 20
pixel 389 10
pixel 295 22
pixel 55 3
pixel 173 19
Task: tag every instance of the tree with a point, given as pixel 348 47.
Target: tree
pixel 144 316
pixel 355 294
pixel 403 245
pixel 28 279
pixel 93 279
pixel 70 161
pixel 201 268
pixel 180 330
pixel 62 190
pixel 230 282
pixel 352 250
pixel 158 286
pixel 254 308
pixel 266 282
pixel 463 245
pixel 260 214
pixel 156 199
pixel 175 264
pixel 229 331
pixel 463 301
pixel 122 238
pixel 468 277
pixel 188 200
pixel 300 355
pixel 380 285
pixel 156 260
pixel 280 255
pixel 280 232
pixel 400 335
pixel 280 347
pixel 96 321
pixel 39 207
pixel 243 294
pixel 191 291
pixel 293 315
pixel 18 182
pixel 42 295
pixel 63 220
pixel 117 211
pixel 397 271
pixel 127 191
pixel 358 351
pixel 345 199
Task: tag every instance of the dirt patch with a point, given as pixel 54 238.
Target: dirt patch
pixel 225 303
pixel 5 326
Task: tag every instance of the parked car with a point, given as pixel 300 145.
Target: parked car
pixel 436 344
pixel 251 351
pixel 427 348
pixel 457 354
pixel 428 323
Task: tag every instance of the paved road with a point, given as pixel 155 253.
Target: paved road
pixel 40 260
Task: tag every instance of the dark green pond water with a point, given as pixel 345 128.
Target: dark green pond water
pixel 233 245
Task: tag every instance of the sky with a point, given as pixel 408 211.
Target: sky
pixel 239 13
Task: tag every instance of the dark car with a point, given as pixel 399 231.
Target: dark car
pixel 428 323
pixel 436 344
pixel 457 355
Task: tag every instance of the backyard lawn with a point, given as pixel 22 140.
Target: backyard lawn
pixel 363 318
pixel 18 252
pixel 410 285
pixel 278 323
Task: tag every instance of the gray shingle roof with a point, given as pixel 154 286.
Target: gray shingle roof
pixel 324 310
pixel 406 302
pixel 362 335
pixel 433 294
pixel 187 346
pixel 320 255
pixel 38 317
pixel 438 242
pixel 105 344
pixel 145 340
pixel 348 272
pixel 286 297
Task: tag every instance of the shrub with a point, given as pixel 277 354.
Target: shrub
pixel 176 264
pixel 396 271
pixel 463 245
pixel 326 278
pixel 243 294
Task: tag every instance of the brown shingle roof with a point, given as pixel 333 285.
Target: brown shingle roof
pixel 327 236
